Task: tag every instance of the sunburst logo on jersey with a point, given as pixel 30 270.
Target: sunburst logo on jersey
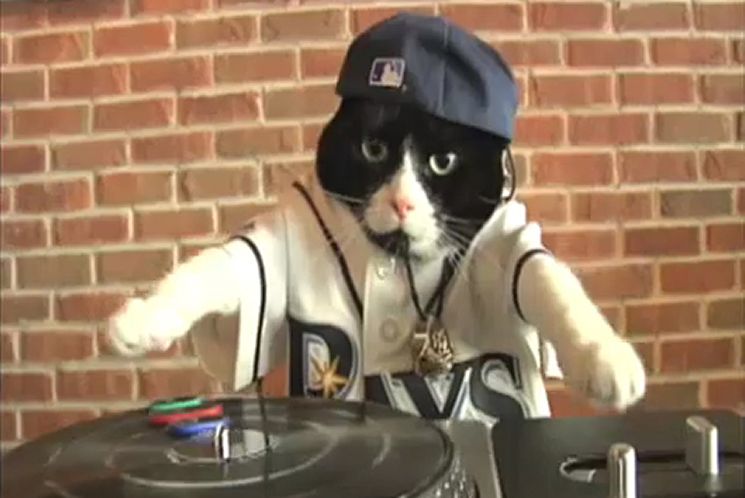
pixel 325 377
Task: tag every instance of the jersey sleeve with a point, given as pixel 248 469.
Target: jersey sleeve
pixel 239 355
pixel 524 241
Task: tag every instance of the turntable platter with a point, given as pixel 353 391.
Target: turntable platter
pixel 313 448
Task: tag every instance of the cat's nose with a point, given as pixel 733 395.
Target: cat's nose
pixel 402 206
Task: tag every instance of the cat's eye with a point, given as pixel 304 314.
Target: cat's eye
pixel 443 164
pixel 374 150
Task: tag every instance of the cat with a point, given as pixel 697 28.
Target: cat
pixel 421 190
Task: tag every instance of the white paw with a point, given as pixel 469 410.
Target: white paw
pixel 141 326
pixel 610 373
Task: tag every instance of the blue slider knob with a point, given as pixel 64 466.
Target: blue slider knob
pixel 198 427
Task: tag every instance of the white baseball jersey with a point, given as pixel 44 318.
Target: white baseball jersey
pixel 320 297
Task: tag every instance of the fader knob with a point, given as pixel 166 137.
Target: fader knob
pixel 622 471
pixel 702 446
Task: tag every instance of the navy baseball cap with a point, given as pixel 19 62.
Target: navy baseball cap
pixel 431 63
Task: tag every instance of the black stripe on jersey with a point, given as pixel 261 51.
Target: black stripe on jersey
pixel 334 247
pixel 262 306
pixel 516 277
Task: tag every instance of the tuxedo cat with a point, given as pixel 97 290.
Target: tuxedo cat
pixel 421 189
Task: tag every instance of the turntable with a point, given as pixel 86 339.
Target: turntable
pixel 277 448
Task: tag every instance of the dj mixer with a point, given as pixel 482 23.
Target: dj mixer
pixel 240 447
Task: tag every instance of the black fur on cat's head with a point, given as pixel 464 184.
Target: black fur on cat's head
pixel 454 176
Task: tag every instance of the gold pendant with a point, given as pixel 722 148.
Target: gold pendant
pixel 431 348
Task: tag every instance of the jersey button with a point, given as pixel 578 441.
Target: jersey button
pixel 385 268
pixel 389 330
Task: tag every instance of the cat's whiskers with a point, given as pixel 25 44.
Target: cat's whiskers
pixel 345 198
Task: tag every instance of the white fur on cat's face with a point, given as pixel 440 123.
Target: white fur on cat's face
pixel 402 204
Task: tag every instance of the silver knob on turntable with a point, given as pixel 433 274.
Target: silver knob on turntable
pixel 622 471
pixel 702 446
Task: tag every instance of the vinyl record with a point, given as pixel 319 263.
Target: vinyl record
pixel 300 447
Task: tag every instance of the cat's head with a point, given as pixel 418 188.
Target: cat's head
pixel 415 182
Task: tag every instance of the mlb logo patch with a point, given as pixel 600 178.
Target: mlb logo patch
pixel 387 71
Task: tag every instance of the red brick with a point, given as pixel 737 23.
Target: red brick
pixel 247 142
pixel 695 203
pixel 95 385
pixel 17 309
pixel 127 188
pixel 8 426
pixel 6 117
pixel 6 199
pixel 138 114
pixel 617 281
pixel 280 174
pixel 529 53
pixel 218 183
pixel 8 348
pixel 84 11
pixel 655 89
pixel 170 224
pixel 90 230
pixel 314 25
pixel 220 31
pixel 566 402
pixel 362 19
pixel 738 50
pixel 724 165
pixel 584 168
pixel 49 48
pixel 602 53
pixel 88 81
pixel 671 396
pixel 656 166
pixel 311 134
pixel 691 127
pixel 319 62
pixel 6 273
pixel 133 266
pixel 22 159
pixel 567 91
pixel 258 66
pixel 726 314
pixel 53 196
pixel 662 318
pixel 584 245
pixel 546 208
pixel 234 216
pixel 41 121
pixel 303 102
pixel 741 202
pixel 89 306
pixel 725 237
pixel 22 85
pixel 22 16
pixel 87 155
pixel 485 17
pixel 56 345
pixel 26 386
pixel 651 17
pixel 723 88
pixel 175 73
pixel 140 7
pixel 36 423
pixel 218 108
pixel 720 17
pixel 23 234
pixel 176 148
pixel 687 51
pixel 616 129
pixel 158 383
pixel 661 241
pixel 567 17
pixel 727 394
pixel 118 40
pixel 52 271
pixel 4 50
pixel 539 130
pixel 696 355
pixel 697 277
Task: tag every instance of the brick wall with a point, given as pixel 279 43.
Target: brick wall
pixel 134 133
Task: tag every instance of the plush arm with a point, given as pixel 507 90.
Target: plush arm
pixel 207 283
pixel 595 360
